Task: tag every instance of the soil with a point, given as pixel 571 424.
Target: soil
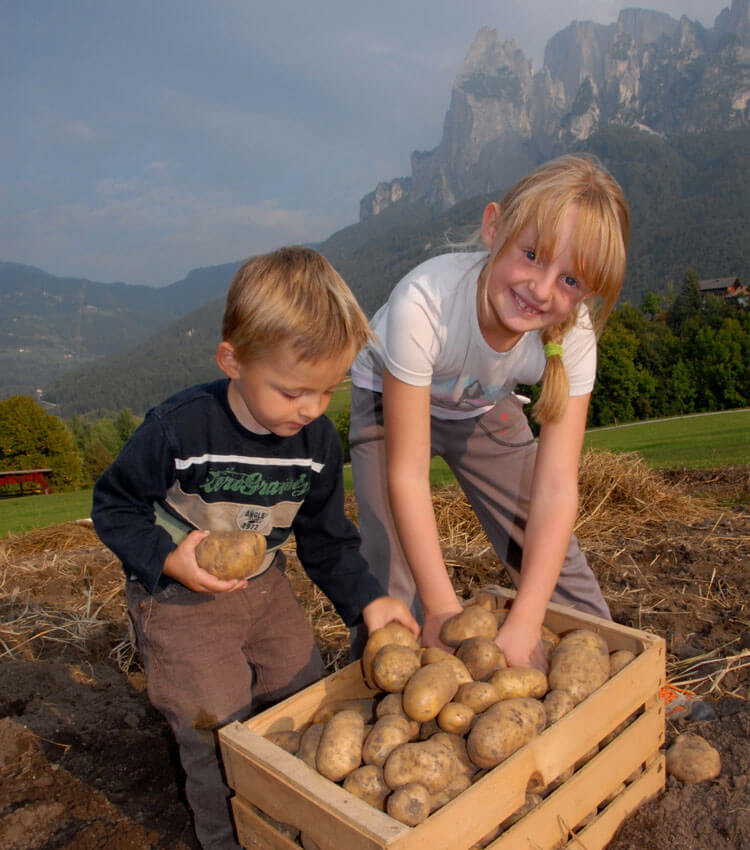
pixel 85 762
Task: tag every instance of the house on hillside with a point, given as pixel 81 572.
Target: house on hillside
pixel 724 287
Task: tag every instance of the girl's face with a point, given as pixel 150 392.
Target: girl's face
pixel 525 292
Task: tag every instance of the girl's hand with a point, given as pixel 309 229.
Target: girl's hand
pixel 386 609
pixel 522 646
pixel 181 565
pixel 433 623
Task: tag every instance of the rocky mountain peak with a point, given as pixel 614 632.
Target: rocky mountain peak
pixel 734 20
pixel 488 52
pixel 646 70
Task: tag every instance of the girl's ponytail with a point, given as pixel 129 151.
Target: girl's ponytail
pixel 553 399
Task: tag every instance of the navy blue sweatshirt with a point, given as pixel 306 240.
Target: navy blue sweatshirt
pixel 191 464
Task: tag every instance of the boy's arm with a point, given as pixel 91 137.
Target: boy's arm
pixel 328 543
pixel 123 504
pixel 552 512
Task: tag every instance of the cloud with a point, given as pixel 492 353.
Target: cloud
pixel 79 131
pixel 141 235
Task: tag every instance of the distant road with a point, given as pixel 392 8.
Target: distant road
pixel 667 419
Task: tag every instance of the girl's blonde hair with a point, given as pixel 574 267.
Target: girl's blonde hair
pixel 292 296
pixel 599 244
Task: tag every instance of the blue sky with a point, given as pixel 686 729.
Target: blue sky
pixel 144 138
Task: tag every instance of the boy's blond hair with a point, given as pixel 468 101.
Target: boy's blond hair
pixel 599 245
pixel 292 296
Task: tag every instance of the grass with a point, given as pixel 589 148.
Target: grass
pixel 699 441
pixel 28 512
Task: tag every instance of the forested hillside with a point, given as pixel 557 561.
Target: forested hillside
pixel 689 200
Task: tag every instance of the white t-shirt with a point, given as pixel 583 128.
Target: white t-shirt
pixel 427 334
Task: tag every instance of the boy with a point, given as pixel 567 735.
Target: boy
pixel 251 451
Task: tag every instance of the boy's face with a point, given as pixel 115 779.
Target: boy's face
pixel 279 393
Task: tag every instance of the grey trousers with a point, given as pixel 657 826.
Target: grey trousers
pixel 492 457
pixel 211 659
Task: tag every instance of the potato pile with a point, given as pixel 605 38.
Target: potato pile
pixel 442 720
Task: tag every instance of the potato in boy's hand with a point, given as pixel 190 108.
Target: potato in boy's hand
pixel 231 554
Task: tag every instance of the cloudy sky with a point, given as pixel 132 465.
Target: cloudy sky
pixel 144 138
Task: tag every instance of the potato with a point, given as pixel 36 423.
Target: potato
pixel 231 554
pixel 388 733
pixel 485 599
pixel 549 635
pixel 433 654
pixel 364 707
pixel 519 682
pixel 410 804
pixel 618 660
pixel 288 740
pixel 471 622
pixel 579 664
pixel 389 704
pixel 481 655
pixel 457 745
pixel 504 728
pixel 428 729
pixel 428 690
pixel 429 763
pixel 455 717
pixel 479 696
pixel 394 632
pixel 308 745
pixel 367 783
pixel 393 666
pixel 556 705
pixel 456 786
pixel 340 747
pixel 692 759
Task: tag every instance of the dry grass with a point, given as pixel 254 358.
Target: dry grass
pixel 667 562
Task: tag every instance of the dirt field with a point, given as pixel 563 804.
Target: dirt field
pixel 86 763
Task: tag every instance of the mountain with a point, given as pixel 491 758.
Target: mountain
pixel 663 104
pixel 647 71
pixel 688 198
pixel 50 325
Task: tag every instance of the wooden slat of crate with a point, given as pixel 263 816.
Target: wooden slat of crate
pixel 299 708
pixel 550 822
pixel 503 790
pixel 344 821
pixel 599 833
pixel 561 619
pixel 289 791
pixel 254 833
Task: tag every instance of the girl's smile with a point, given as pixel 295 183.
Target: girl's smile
pixel 522 291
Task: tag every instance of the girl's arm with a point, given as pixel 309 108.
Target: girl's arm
pixel 552 512
pixel 406 411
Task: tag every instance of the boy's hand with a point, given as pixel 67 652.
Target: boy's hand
pixel 181 565
pixel 522 646
pixel 386 609
pixel 433 623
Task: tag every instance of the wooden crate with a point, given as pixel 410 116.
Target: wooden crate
pixel 268 780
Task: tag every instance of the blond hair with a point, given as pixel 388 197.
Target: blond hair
pixel 292 296
pixel 599 244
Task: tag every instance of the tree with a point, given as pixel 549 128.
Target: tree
pixel 125 423
pixel 30 438
pixel 613 400
pixel 651 305
pixel 686 305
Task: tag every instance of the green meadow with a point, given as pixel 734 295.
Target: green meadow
pixel 699 441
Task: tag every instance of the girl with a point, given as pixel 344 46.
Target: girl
pixel 456 336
